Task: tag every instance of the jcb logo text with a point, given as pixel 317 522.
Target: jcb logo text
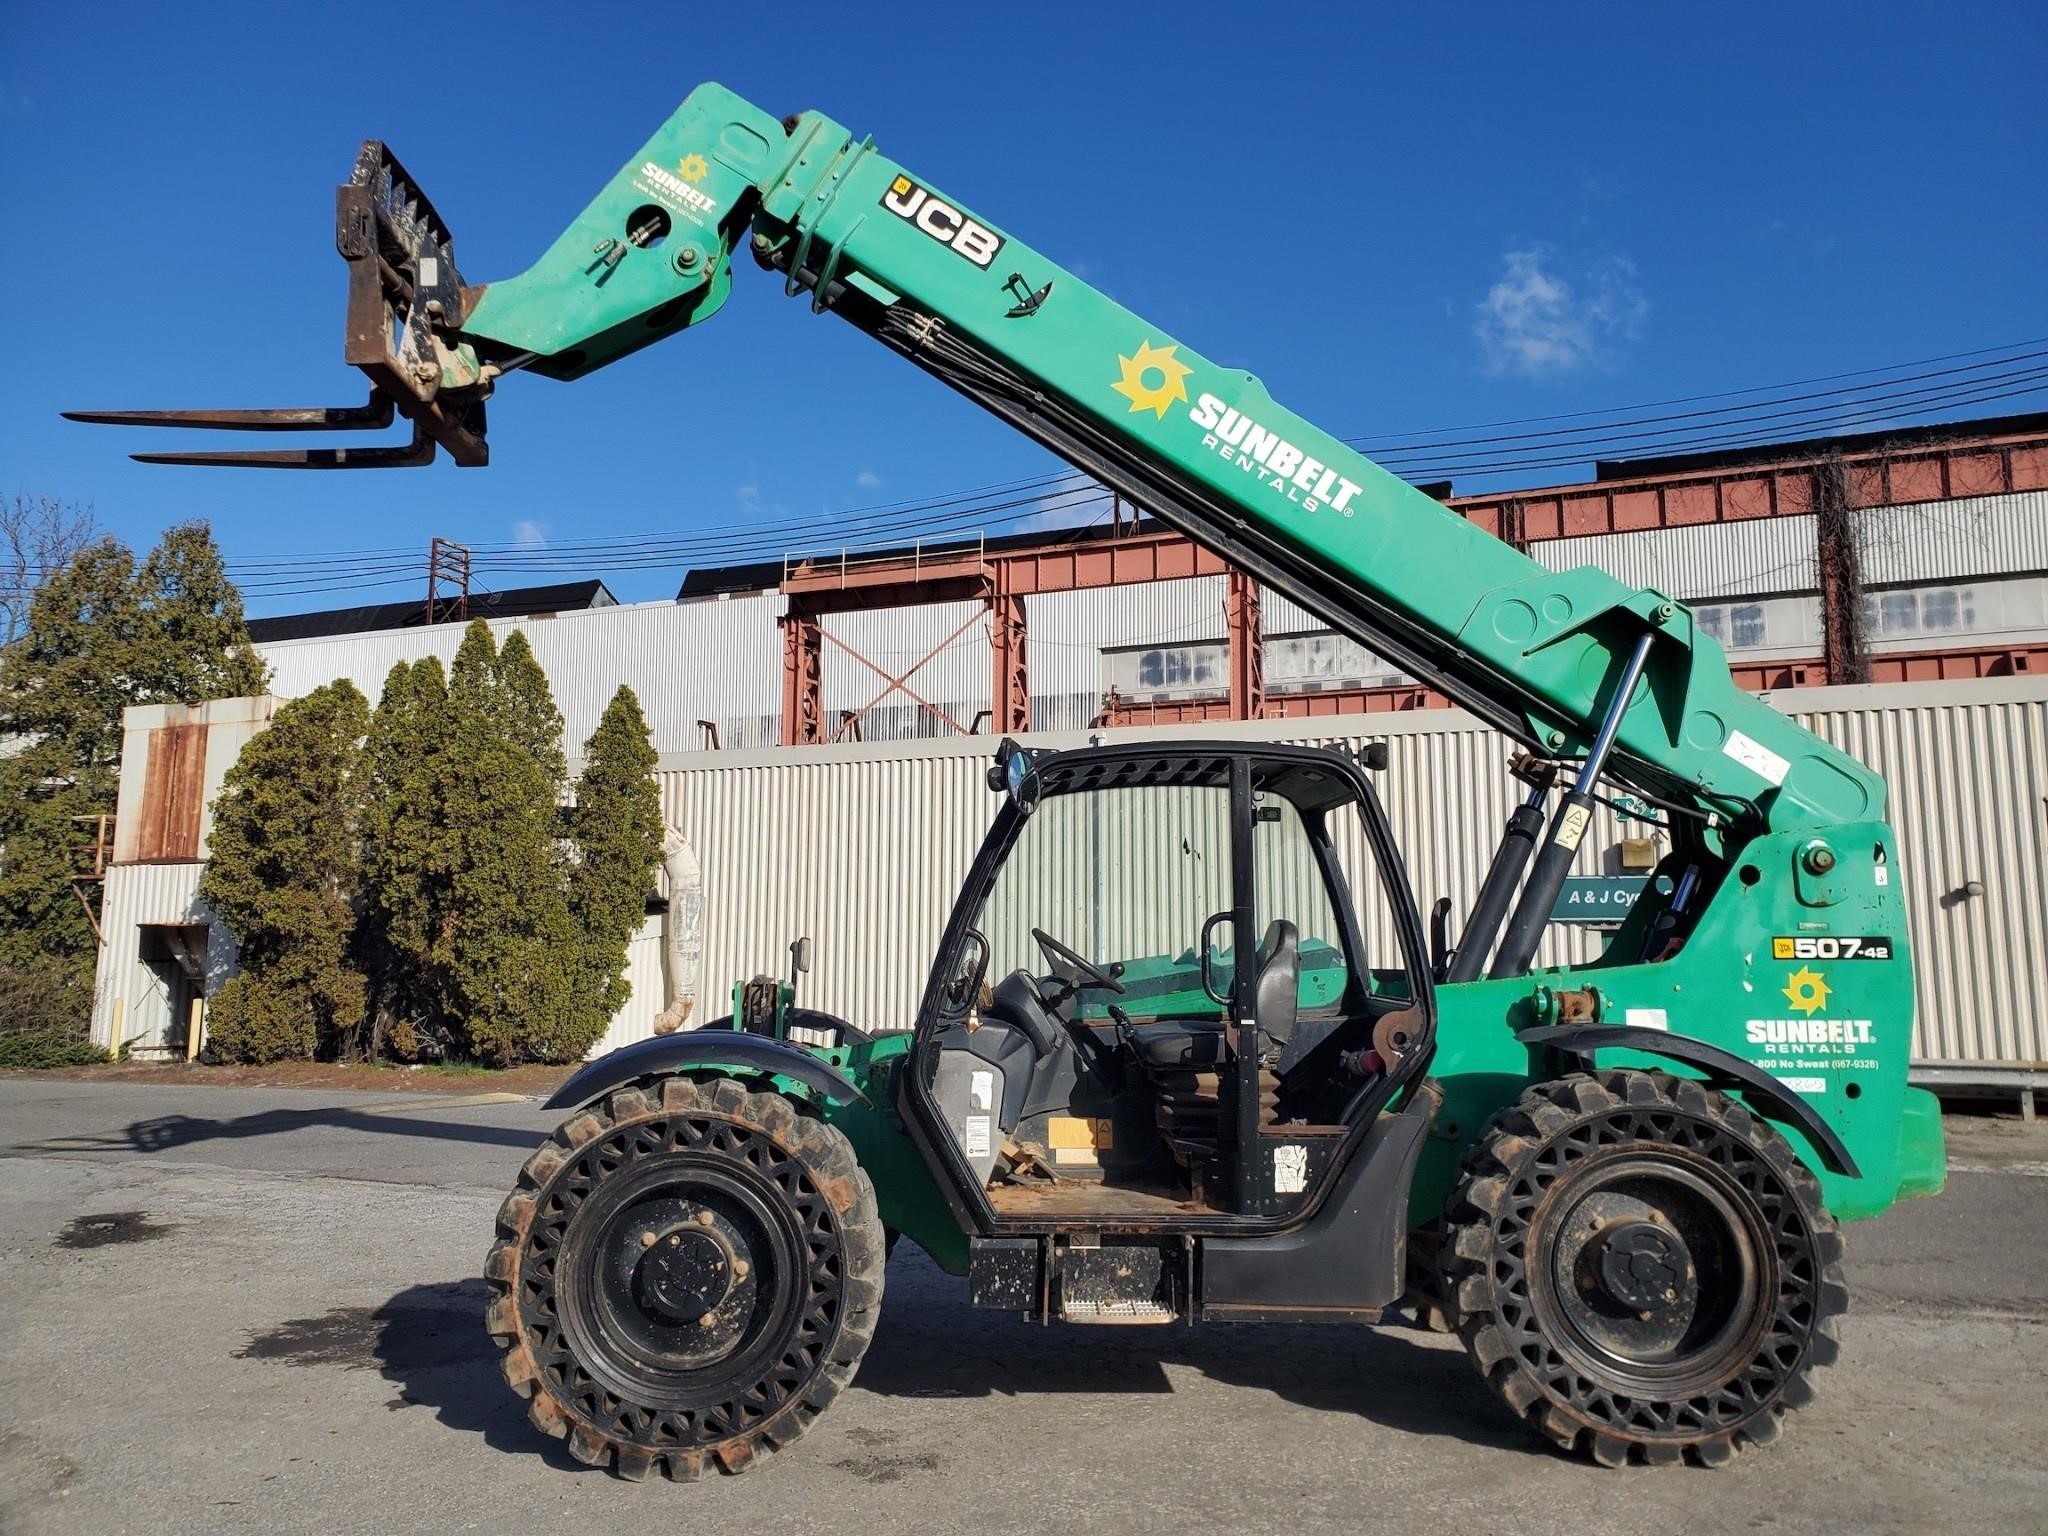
pixel 942 221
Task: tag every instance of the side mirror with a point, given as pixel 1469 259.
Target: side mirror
pixel 800 956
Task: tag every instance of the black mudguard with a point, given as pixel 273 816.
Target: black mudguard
pixel 1723 1069
pixel 701 1050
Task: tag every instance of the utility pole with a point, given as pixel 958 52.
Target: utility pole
pixel 447 562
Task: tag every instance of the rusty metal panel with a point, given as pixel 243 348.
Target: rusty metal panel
pixel 173 794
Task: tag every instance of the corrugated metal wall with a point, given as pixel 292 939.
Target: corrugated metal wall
pixel 717 659
pixel 1705 560
pixel 130 992
pixel 863 847
pixel 720 659
pixel 1949 540
pixel 1969 784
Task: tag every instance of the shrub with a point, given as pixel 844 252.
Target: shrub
pixel 44 1019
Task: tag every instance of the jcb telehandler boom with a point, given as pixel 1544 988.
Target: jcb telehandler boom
pixel 1235 1082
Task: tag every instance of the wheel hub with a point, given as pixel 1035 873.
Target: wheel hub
pixel 1644 1267
pixel 685 1273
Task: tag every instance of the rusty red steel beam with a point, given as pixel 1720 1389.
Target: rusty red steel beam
pixel 1876 477
pixel 1962 664
pixel 900 684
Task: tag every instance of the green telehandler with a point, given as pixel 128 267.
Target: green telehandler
pixel 1185 1051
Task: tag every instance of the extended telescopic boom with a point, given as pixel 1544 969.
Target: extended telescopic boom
pixel 1540 654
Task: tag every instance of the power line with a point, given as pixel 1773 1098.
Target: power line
pixel 1775 412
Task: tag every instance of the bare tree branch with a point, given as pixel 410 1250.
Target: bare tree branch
pixel 38 537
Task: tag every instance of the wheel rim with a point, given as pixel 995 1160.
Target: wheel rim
pixel 1741 1232
pixel 1655 1275
pixel 739 1233
pixel 680 1276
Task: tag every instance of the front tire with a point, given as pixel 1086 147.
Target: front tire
pixel 1643 1270
pixel 687 1274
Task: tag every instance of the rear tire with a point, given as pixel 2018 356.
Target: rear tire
pixel 1642 1270
pixel 686 1276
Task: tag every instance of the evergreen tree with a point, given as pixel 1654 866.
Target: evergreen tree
pixel 616 828
pixel 194 642
pixel 99 636
pixel 407 863
pixel 508 945
pixel 63 685
pixel 282 877
pixel 527 712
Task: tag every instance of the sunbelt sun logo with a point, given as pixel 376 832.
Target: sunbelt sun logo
pixel 1154 379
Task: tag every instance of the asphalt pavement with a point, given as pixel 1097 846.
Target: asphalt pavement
pixel 235 1309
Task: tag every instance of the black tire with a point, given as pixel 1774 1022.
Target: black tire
pixel 661 1199
pixel 1643 1270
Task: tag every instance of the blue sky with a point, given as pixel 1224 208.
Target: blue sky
pixel 1403 218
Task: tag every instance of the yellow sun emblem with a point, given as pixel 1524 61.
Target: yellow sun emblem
pixel 1806 992
pixel 1153 363
pixel 693 169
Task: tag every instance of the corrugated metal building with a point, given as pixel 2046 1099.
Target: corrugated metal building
pixel 1947 572
pixel 862 846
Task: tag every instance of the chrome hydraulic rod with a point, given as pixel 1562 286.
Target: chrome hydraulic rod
pixel 1567 830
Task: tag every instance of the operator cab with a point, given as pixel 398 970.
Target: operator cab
pixel 1177 981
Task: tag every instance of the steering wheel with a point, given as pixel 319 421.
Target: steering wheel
pixel 1087 972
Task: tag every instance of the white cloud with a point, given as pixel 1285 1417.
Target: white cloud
pixel 527 534
pixel 867 480
pixel 1538 322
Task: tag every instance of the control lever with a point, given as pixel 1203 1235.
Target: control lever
pixel 1124 1028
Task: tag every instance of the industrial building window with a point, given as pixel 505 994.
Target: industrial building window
pixel 1189 669
pixel 1920 611
pixel 1738 626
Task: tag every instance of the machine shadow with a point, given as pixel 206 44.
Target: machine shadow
pixel 166 1132
pixel 429 1341
pixel 931 1343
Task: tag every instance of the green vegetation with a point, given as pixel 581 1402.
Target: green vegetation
pixel 488 924
pixel 404 883
pixel 100 634
pixel 616 831
pixel 508 943
pixel 282 877
pixel 43 1020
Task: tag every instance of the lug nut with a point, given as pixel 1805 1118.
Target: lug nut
pixel 707 1320
pixel 705 1218
pixel 739 1269
pixel 646 1239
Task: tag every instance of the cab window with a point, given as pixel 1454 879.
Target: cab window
pixel 1126 876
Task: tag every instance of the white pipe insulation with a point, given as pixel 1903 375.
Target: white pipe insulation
pixel 682 931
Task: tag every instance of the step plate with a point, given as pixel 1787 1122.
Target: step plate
pixel 1125 1312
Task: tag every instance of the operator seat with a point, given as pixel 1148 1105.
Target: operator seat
pixel 1177 1044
